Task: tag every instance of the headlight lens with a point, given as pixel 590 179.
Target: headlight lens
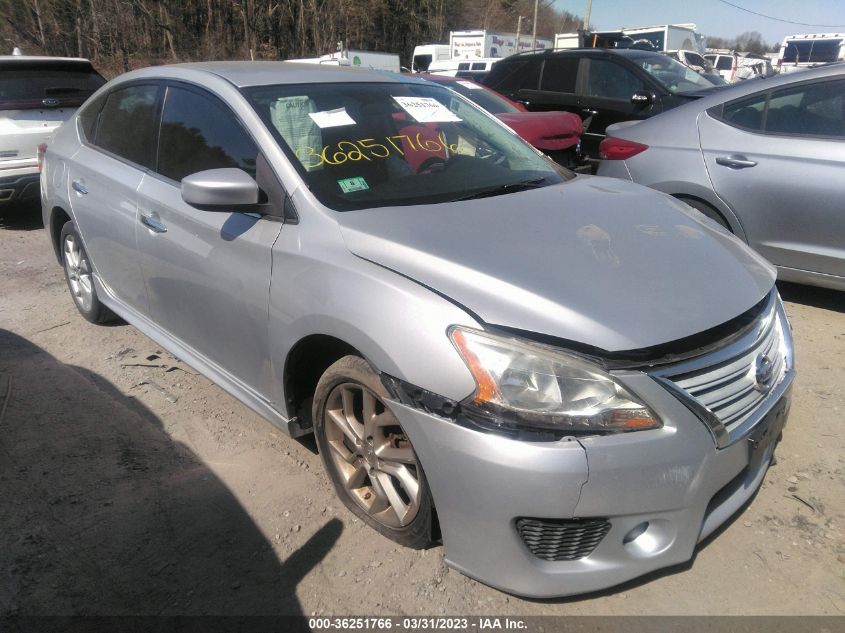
pixel 533 386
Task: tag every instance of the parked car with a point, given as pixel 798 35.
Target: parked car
pixel 557 134
pixel 733 66
pixel 37 94
pixel 696 61
pixel 464 333
pixel 602 86
pixel 766 159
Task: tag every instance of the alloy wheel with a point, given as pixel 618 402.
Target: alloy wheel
pixel 372 455
pixel 78 272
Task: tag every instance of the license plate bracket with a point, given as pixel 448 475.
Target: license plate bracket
pixel 767 432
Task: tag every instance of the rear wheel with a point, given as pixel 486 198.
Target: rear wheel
pixel 80 277
pixel 368 456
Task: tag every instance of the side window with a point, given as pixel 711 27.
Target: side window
pixel 724 62
pixel 609 80
pixel 510 77
pixel 126 125
pixel 88 117
pixel 559 74
pixel 816 109
pixel 198 134
pixel 746 114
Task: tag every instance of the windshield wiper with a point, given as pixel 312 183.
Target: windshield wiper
pixel 499 190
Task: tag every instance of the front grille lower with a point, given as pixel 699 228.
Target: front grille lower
pixel 561 539
pixel 728 387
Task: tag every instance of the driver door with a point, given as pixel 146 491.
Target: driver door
pixel 207 272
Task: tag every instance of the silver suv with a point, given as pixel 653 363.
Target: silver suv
pixel 572 379
pixel 37 94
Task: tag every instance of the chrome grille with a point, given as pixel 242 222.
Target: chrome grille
pixel 726 384
pixel 562 539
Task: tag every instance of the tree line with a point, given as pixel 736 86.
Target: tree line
pixel 123 34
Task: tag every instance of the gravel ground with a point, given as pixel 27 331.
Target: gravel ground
pixel 131 485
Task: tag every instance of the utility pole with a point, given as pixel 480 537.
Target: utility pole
pixel 518 31
pixel 534 27
pixel 588 7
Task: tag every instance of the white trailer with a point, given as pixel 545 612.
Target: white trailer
pixel 356 59
pixel 663 38
pixel 488 44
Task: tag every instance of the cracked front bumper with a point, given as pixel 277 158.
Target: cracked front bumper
pixel 673 480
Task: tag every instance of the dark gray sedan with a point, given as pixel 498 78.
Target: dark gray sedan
pixel 766 159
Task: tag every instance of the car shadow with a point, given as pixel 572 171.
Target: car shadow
pixel 21 217
pixel 813 296
pixel 105 514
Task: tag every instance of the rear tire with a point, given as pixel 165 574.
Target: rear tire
pixel 368 456
pixel 79 276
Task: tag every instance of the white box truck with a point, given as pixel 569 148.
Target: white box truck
pixel 665 37
pixel 488 44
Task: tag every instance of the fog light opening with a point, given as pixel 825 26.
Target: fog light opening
pixel 649 538
pixel 634 534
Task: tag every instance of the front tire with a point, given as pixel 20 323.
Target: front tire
pixel 368 456
pixel 79 276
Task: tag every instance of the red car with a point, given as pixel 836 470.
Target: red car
pixel 554 133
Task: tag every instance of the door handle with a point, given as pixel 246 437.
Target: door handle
pixel 78 187
pixel 735 161
pixel 153 223
pixel 590 112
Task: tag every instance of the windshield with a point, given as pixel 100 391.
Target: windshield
pixel 673 75
pixel 478 94
pixel 362 145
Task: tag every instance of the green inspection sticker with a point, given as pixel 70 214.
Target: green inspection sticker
pixel 348 185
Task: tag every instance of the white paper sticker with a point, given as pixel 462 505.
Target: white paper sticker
pixel 426 109
pixel 470 85
pixel 332 118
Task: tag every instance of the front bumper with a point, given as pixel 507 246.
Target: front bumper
pixel 673 478
pixel 19 189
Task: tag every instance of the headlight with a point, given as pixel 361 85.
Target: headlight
pixel 529 385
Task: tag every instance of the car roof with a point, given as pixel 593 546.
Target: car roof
pixel 29 60
pixel 264 73
pixel 631 53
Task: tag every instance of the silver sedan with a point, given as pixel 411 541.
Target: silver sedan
pixel 530 364
pixel 765 158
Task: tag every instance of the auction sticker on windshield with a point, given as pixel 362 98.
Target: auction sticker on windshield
pixel 426 109
pixel 348 185
pixel 332 118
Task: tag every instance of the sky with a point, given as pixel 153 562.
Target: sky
pixel 716 18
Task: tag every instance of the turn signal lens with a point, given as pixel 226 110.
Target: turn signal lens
pixel 613 148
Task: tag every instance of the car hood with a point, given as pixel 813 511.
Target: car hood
pixel 545 130
pixel 594 260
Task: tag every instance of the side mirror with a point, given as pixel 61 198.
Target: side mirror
pixel 220 189
pixel 642 98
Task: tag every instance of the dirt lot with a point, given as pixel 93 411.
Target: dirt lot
pixel 131 485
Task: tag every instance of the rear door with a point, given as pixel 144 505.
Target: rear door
pixel 207 272
pixel 778 159
pixel 606 91
pixel 103 178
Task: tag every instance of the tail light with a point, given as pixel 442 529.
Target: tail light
pixel 619 148
pixel 42 149
pixel 779 62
